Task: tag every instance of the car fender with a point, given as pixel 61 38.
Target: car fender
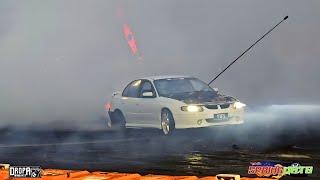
pixel 172 104
pixel 115 102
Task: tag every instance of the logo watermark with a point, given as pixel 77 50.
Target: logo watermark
pixel 25 171
pixel 277 170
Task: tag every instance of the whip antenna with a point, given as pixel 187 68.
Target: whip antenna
pixel 247 49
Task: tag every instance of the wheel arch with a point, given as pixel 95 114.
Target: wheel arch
pixel 117 109
pixel 166 108
pixel 120 111
pixel 114 111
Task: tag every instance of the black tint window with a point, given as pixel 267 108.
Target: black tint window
pixel 146 86
pixel 132 89
pixel 125 91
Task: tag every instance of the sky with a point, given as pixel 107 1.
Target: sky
pixel 61 60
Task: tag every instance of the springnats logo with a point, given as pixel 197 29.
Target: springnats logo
pixel 276 170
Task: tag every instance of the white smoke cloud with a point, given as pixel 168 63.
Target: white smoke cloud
pixel 60 61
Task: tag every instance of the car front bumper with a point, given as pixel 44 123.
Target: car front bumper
pixel 206 118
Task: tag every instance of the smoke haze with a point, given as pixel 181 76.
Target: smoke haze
pixel 61 60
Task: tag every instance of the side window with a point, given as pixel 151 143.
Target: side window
pixel 147 86
pixel 132 90
pixel 125 91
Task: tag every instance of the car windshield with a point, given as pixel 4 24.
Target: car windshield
pixel 172 86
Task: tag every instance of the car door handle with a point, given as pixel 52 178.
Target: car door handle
pixel 137 104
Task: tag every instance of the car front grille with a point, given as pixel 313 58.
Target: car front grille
pixel 224 106
pixel 215 106
pixel 211 106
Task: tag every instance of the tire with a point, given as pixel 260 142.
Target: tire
pixel 167 122
pixel 117 120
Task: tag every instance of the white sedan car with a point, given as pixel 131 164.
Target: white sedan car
pixel 172 102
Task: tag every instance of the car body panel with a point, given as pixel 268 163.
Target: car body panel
pixel 147 109
pixel 146 112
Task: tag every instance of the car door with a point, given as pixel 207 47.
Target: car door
pixel 129 103
pixel 149 108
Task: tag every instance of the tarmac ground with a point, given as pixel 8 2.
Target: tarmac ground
pixel 194 152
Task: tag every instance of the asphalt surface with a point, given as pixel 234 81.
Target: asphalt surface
pixel 205 151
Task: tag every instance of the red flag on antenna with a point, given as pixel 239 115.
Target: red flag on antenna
pixel 130 38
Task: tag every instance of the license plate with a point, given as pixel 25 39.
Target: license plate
pixel 221 116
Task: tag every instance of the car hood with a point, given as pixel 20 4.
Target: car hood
pixel 202 97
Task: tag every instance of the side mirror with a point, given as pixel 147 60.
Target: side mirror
pixel 216 89
pixel 147 94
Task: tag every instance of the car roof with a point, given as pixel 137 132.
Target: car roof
pixel 166 77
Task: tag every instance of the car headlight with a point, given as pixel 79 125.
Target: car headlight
pixel 238 105
pixel 192 108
